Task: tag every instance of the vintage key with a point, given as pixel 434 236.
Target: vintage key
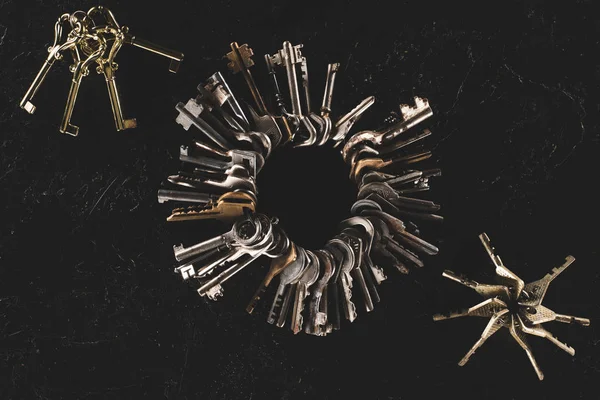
pixel 287 278
pixel 503 273
pixel 332 302
pixel 485 309
pixel 250 160
pixel 240 60
pixel 364 148
pixel 369 231
pixel 189 114
pixel 289 126
pixel 276 268
pixel 229 206
pixel 541 314
pixel 308 278
pixel 358 274
pixel 396 212
pixel 165 195
pixel 218 86
pixel 484 289
pixel 380 247
pixel 318 319
pixel 254 161
pixel 316 120
pixel 243 232
pixel 345 123
pixel 516 330
pixel 332 70
pixel 212 288
pixel 108 70
pixel 345 282
pixel 187 269
pixel 237 179
pixel 176 57
pixel 387 192
pixel 54 53
pixel 497 321
pixel 411 116
pixel 378 163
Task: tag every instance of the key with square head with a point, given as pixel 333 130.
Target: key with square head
pixel 240 60
pixel 285 290
pixel 229 206
pixel 332 70
pixel 345 123
pixel 187 269
pixel 189 114
pixel 278 265
pixel 54 53
pixel 308 278
pixel 411 116
pixel 244 231
pixel 346 264
pixel 244 255
pixel 317 319
pixel 176 57
pixel 363 165
pixel 357 273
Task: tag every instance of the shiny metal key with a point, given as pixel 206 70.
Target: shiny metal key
pixel 386 191
pixel 345 123
pixel 250 160
pixel 308 278
pixel 411 116
pixel 287 278
pixel 228 207
pixel 278 265
pixel 332 70
pixel 218 86
pixel 357 273
pixel 189 114
pixel 317 319
pixel 369 230
pixel 196 180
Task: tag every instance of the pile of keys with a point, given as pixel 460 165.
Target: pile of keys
pixel 218 181
pixel 514 305
pixel 95 37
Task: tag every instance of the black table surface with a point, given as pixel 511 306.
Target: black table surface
pixel 90 307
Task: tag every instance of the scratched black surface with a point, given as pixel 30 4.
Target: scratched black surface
pixel 90 308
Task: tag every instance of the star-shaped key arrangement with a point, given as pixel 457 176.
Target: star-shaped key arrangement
pixel 513 304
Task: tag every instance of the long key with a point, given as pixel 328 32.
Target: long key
pixel 345 282
pixel 185 196
pixel 278 265
pixel 318 319
pixel 332 70
pixel 115 102
pixel 411 116
pixel 250 160
pixel 332 302
pixel 308 278
pixel 217 84
pixel 357 273
pixel 379 163
pixel 286 289
pixel 345 123
pixel 189 114
pixel 535 291
pixel 176 57
pixel 395 211
pixel 244 231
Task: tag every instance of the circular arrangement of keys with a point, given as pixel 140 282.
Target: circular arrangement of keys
pixel 232 140
pixel 95 37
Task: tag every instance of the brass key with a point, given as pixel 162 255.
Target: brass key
pixel 229 206
pixel 378 163
pixel 277 266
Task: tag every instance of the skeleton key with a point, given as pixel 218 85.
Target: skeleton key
pixel 243 232
pixel 332 70
pixel 411 116
pixel 187 270
pixel 308 278
pixel 212 288
pixel 345 123
pixel 229 206
pixel 240 60
pixel 276 90
pixel 287 278
pixel 278 265
pixel 318 320
pixel 378 163
pixel 54 53
pixel 176 57
pixel 108 70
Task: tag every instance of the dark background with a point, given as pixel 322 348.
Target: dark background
pixel 90 307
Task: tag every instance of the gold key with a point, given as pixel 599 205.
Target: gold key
pixel 229 206
pixel 378 163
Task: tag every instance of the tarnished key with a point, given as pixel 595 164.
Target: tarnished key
pixel 541 332
pixel 235 156
pixel 243 232
pixel 318 319
pixel 331 296
pixel 369 231
pixel 516 330
pixel 355 243
pixel 345 123
pixel 218 86
pixel 317 121
pixel 363 164
pixel 395 211
pixel 278 265
pixel 229 206
pixel 189 114
pixel 176 57
pixel 484 289
pixel 411 116
pixel 54 53
pixel 235 180
pixel 346 266
pixel 250 160
pixel 240 60
pixel 396 145
pixel 308 278
pixel 384 190
pixel 185 196
pixel 503 274
pixel 380 250
pixel 287 278
pixel 332 70
pixel 485 309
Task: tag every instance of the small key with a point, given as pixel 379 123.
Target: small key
pixel 485 309
pixel 236 157
pixel 287 278
pixel 535 291
pixel 332 303
pixel 516 330
pixel 345 123
pixel 243 232
pixel 484 289
pixel 411 116
pixel 318 319
pixel 187 269
pixel 278 265
pixel 497 321
pixel 308 278
pixel 189 114
pixel 503 274
pixel 361 165
pixel 229 206
pixel 346 265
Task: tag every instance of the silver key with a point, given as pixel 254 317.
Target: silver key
pixel 345 281
pixel 370 233
pixel 345 123
pixel 189 114
pixel 317 319
pixel 308 278
pixel 250 160
pixel 332 70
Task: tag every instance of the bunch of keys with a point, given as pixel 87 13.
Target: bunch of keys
pixel 95 38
